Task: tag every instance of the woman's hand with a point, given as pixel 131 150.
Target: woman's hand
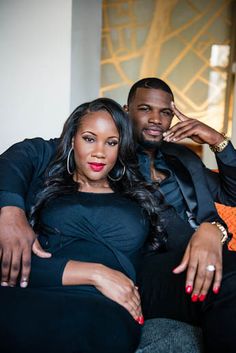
pixel 204 249
pixel 111 283
pixel 119 288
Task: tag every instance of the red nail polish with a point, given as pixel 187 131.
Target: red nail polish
pixel 216 290
pixel 194 298
pixel 140 320
pixel 202 297
pixel 188 289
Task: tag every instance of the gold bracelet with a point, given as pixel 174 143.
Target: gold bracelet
pixel 220 146
pixel 224 237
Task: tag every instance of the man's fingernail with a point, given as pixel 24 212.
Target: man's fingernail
pixel 4 284
pixel 23 284
pixel 188 289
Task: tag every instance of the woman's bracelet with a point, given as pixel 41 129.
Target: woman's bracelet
pixel 225 238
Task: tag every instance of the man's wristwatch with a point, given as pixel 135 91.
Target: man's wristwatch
pixel 220 146
pixel 225 237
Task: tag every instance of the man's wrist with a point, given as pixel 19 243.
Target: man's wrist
pixel 219 147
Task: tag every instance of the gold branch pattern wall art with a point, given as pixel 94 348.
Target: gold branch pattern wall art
pixel 184 42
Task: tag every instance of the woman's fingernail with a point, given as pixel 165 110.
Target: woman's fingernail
pixel 194 298
pixel 216 290
pixel 202 297
pixel 188 289
pixel 140 320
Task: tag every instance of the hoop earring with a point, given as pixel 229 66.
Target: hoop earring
pixel 121 175
pixel 68 161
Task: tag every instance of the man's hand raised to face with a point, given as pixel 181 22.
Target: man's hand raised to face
pixel 191 128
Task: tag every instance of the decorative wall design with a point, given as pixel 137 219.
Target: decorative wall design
pixel 186 43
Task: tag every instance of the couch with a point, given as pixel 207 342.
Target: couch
pixel 170 336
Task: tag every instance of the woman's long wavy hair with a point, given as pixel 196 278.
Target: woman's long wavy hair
pixel 59 182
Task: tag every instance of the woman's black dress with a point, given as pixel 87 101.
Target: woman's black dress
pixel 48 317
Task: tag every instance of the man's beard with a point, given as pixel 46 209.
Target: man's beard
pixel 148 145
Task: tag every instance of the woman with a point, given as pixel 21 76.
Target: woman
pixel 93 214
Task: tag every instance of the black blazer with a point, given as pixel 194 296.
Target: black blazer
pixel 200 186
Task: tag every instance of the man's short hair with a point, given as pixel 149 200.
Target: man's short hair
pixel 149 82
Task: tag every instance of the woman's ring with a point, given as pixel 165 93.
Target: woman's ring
pixel 210 268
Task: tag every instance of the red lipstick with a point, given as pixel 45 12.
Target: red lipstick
pixel 96 167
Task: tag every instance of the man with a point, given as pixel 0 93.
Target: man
pixel 184 181
pixel 200 263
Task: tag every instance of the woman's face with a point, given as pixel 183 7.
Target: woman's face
pixel 96 144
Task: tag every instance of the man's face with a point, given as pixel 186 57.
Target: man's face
pixel 151 113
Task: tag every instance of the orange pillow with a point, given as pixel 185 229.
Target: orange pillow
pixel 228 214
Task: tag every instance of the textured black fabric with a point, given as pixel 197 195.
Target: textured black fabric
pixel 170 336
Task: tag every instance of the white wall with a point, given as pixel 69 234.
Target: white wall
pixel 85 50
pixel 44 56
pixel 208 156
